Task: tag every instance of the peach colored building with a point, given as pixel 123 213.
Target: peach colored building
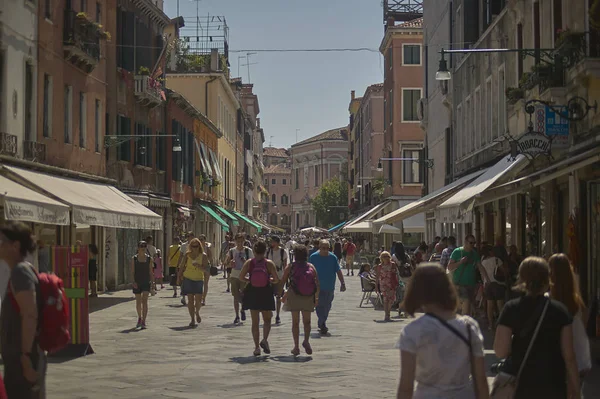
pixel 277 181
pixel 314 161
pixel 402 89
pixel 364 146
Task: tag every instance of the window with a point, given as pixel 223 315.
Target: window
pixel 468 126
pixel 410 97
pixel 519 46
pixel 316 175
pixel 274 219
pixel 97 125
pixel 83 5
pixel 161 152
pixel 273 199
pixel 391 107
pixel 284 182
pixel 297 220
pixel 47 126
pixel 266 182
pixel 537 35
pixel 124 150
pixel 411 54
pixel 99 13
pixel 412 170
pixel 273 181
pixel 29 133
pixel 284 200
pixel 477 118
pixel 82 120
pixel 460 130
pixel 48 9
pixel 501 104
pixel 297 185
pixel 491 109
pixel 390 57
pixel 487 122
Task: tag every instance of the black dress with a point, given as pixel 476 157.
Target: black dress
pixel 258 298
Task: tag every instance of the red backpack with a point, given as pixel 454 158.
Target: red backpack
pixel 259 275
pixel 302 279
pixel 53 316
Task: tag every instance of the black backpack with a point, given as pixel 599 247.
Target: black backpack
pixel 281 253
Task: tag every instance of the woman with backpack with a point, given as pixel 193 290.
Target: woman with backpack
pixel 302 296
pixel 387 279
pixel 260 274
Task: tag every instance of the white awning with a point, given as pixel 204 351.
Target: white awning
pixel 25 205
pixel 359 227
pixel 215 162
pixel 207 160
pixel 427 202
pixel 205 166
pixel 414 224
pixel 458 207
pixel 367 215
pixel 389 229
pixel 93 204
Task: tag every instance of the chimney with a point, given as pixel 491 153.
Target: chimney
pixel 390 22
pixel 214 60
pixel 352 95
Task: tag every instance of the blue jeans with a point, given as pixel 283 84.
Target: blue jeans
pixel 324 306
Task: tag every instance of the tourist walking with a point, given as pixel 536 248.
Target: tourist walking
pixel 260 275
pixel 142 274
pixel 441 350
pixel 183 250
pixel 535 336
pixel 328 269
pixel 192 277
pixel 495 288
pixel 173 261
pixel 278 255
pixel 237 257
pixel 350 249
pixel 464 262
pixel 447 252
pixel 24 361
pixel 387 282
pixel 151 252
pixel 92 270
pixel 158 271
pixel 564 288
pixel 302 296
pixel 208 250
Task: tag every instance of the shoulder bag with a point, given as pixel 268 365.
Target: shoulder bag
pixel 467 341
pixel 505 385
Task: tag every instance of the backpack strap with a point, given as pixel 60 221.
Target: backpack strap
pixel 247 251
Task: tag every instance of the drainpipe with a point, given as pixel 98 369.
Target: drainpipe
pixel 206 94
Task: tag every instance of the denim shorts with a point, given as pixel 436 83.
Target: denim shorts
pixel 191 287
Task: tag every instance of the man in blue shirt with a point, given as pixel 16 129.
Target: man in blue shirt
pixel 328 268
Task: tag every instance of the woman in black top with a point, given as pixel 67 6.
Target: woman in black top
pixel 550 371
pixel 93 270
pixel 142 270
pixel 337 250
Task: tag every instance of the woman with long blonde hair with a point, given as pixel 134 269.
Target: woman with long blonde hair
pixel 192 275
pixel 564 288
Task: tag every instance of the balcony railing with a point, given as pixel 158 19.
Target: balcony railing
pixel 148 91
pixel 229 203
pixel 8 144
pixel 81 40
pixel 34 151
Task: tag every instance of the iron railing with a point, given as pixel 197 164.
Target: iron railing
pixel 8 144
pixel 34 151
pixel 81 34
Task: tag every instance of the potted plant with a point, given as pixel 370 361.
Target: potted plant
pixel 514 94
pixel 528 81
pixel 143 71
pixel 81 16
pixel 216 182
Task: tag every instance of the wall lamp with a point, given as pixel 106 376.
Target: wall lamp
pixel 443 72
pixel 429 163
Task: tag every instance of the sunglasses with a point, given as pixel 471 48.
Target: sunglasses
pixel 143 246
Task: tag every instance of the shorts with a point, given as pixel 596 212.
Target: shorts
pixel 465 292
pixel 495 292
pixel 192 287
pixel 143 287
pixel 93 273
pixel 349 261
pixel 237 287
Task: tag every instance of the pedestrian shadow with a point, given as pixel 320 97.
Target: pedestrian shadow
pixel 249 359
pixel 183 328
pixel 318 335
pixel 231 325
pixel 386 321
pixel 130 330
pixel 105 301
pixel 291 359
pixel 178 305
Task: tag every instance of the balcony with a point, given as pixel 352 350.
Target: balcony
pixel 81 40
pixel 34 151
pixel 148 91
pixel 229 204
pixel 8 144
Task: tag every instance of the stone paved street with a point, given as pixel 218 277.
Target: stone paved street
pixel 215 360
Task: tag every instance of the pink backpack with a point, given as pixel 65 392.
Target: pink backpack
pixel 302 279
pixel 259 275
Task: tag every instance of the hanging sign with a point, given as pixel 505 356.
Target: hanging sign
pixel 553 125
pixel 531 144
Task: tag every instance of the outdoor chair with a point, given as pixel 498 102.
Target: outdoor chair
pixel 368 286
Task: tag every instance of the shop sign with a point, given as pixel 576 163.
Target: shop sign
pixel 550 123
pixel 532 145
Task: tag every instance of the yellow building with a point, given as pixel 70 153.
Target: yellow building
pixel 211 93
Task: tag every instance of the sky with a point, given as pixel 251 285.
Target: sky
pixel 305 91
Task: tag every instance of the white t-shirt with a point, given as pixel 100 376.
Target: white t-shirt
pixel 489 264
pixel 443 360
pixel 275 256
pixel 151 250
pixel 240 258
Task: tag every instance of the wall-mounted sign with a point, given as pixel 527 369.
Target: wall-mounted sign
pixel 531 144
pixel 550 123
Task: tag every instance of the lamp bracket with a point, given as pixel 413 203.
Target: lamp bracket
pixel 578 108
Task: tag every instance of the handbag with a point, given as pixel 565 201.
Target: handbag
pixel 499 274
pixel 505 385
pixel 214 271
pixel 467 341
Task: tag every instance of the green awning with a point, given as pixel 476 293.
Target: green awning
pixel 250 222
pixel 225 212
pixel 215 216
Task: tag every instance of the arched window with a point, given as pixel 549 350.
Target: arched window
pixel 284 199
pixel 274 199
pixel 285 220
pixel 274 219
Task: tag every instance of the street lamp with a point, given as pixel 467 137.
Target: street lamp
pixel 427 162
pixel 443 73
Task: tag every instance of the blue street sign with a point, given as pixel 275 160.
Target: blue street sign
pixel 557 127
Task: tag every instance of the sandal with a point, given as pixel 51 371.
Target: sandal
pixel 198 318
pixel 192 324
pixel 295 351
pixel 256 352
pixel 265 346
pixel 307 347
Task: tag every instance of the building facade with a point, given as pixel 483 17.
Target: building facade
pixel 403 88
pixel 278 183
pixel 365 144
pixel 314 161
